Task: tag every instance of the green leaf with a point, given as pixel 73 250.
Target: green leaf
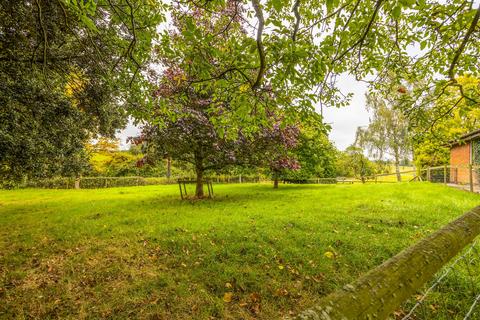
pixel 89 23
pixel 423 44
pixel 277 5
pixel 329 4
pixel 397 11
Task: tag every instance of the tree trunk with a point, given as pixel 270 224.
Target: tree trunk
pixel 169 168
pixel 275 179
pixel 199 170
pixel 199 187
pixel 77 183
pixel 397 168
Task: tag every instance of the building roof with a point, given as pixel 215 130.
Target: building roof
pixel 466 137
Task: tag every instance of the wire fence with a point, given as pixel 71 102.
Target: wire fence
pixel 127 181
pixel 453 294
pixel 466 177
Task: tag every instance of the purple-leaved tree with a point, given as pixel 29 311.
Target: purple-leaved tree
pixel 188 134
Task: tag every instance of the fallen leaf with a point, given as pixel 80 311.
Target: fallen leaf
pixel 228 285
pixel 255 308
pixel 255 297
pixel 282 292
pixel 329 255
pixel 227 297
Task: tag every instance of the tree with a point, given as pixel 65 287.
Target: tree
pixel 293 60
pixel 105 145
pixel 387 135
pixel 315 153
pixel 31 144
pixel 353 163
pixel 69 70
pixel 192 138
pixel 274 148
pixel 206 115
pixel 448 118
pixel 290 57
pixel 300 49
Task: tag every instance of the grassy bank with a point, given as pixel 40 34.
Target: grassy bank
pixel 252 252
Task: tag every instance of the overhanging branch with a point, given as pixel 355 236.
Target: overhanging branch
pixel 260 48
pixel 458 53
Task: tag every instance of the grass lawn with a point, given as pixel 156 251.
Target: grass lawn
pixel 252 252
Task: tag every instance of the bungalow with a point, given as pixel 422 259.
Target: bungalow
pixel 464 152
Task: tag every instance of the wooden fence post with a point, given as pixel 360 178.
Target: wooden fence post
pixel 428 174
pixel 445 174
pixel 180 186
pixel 470 171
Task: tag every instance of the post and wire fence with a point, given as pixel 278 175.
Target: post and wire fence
pixel 454 293
pixel 465 177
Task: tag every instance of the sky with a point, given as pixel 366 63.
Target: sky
pixel 344 121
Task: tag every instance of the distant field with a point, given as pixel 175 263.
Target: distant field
pixel 392 177
pixel 252 252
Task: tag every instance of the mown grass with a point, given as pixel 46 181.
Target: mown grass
pixel 252 252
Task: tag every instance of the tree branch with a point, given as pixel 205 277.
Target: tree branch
pixel 45 42
pixel 260 48
pixel 451 70
pixel 360 41
pixel 133 43
pixel 297 20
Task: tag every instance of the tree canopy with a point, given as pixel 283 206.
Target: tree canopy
pixel 69 71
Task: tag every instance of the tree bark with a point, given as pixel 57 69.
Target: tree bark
pixel 169 168
pixel 275 179
pixel 397 168
pixel 199 187
pixel 199 170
